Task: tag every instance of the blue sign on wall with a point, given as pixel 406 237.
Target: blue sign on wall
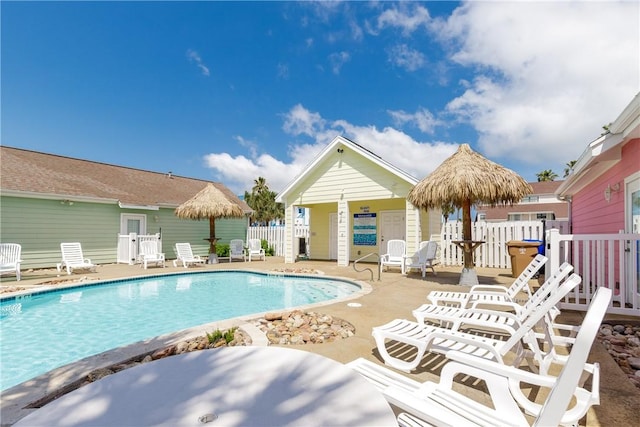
pixel 365 229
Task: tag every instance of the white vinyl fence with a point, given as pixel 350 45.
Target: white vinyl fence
pixel 494 252
pixel 129 244
pixel 275 236
pixel 609 260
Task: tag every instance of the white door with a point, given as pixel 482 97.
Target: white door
pixel 632 261
pixel 392 226
pixel 333 236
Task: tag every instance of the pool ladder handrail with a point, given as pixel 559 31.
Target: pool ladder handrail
pixel 367 268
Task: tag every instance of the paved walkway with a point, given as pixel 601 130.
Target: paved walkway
pixel 392 297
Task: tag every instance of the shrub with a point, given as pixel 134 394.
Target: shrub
pixel 214 336
pixel 222 250
pixel 268 250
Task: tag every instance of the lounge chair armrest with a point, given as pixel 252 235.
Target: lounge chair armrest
pixel 463 339
pixel 516 376
pixel 488 289
pixel 513 305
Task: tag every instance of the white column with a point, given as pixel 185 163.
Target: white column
pixel 343 233
pixel 290 219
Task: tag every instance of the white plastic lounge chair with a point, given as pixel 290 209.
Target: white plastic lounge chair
pixel 149 254
pixel 396 251
pixel 10 258
pixel 440 340
pixel 445 303
pixel 448 313
pixel 438 404
pixel 456 317
pixel 236 250
pixel 72 258
pixel 491 293
pixel 185 256
pixel 423 258
pixel 255 250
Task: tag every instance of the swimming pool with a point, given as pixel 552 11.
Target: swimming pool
pixel 42 331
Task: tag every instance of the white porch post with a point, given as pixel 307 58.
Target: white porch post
pixel 553 243
pixel 343 233
pixel 290 219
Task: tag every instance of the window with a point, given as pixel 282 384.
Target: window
pixel 546 215
pixel 513 217
pixel 530 199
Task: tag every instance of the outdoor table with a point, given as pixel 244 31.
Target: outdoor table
pixel 229 386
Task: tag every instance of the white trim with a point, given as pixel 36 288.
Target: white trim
pixel 52 196
pixel 142 207
pixel 605 151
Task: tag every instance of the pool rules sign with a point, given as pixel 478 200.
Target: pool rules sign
pixel 364 229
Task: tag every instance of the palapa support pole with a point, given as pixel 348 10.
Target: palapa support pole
pixel 466 234
pixel 212 235
pixel 468 277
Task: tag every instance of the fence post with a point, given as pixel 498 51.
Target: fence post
pixel 553 243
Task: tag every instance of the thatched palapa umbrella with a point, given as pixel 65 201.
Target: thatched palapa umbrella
pixel 211 203
pixel 465 179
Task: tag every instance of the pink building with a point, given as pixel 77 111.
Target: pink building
pixel 604 214
pixel 604 188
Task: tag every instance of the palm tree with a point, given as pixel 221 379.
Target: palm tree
pixel 569 169
pixel 448 210
pixel 263 202
pixel 547 175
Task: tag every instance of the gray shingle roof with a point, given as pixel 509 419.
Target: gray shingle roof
pixel 25 171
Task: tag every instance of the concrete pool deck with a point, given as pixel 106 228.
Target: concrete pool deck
pixel 394 296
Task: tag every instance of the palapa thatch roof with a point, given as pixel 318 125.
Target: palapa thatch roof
pixel 468 177
pixel 210 202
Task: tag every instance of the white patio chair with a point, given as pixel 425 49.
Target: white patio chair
pixel 431 404
pixel 10 258
pixel 491 294
pixel 185 256
pixel 494 295
pixel 423 258
pixel 519 330
pixel 236 250
pixel 396 251
pixel 456 317
pixel 72 258
pixel 149 254
pixel 255 250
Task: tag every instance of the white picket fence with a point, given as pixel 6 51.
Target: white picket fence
pixel 275 236
pixel 494 252
pixel 129 244
pixel 608 260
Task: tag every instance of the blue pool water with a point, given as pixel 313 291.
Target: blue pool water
pixel 40 332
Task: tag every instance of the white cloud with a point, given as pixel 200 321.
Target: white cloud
pixel 548 75
pixel 194 56
pixel 423 119
pixel 283 71
pixel 299 121
pixel 337 60
pixel 406 16
pixel 396 147
pixel 405 57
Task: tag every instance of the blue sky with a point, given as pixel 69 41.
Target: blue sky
pixel 229 91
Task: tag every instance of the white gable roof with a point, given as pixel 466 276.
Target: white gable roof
pixel 334 145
